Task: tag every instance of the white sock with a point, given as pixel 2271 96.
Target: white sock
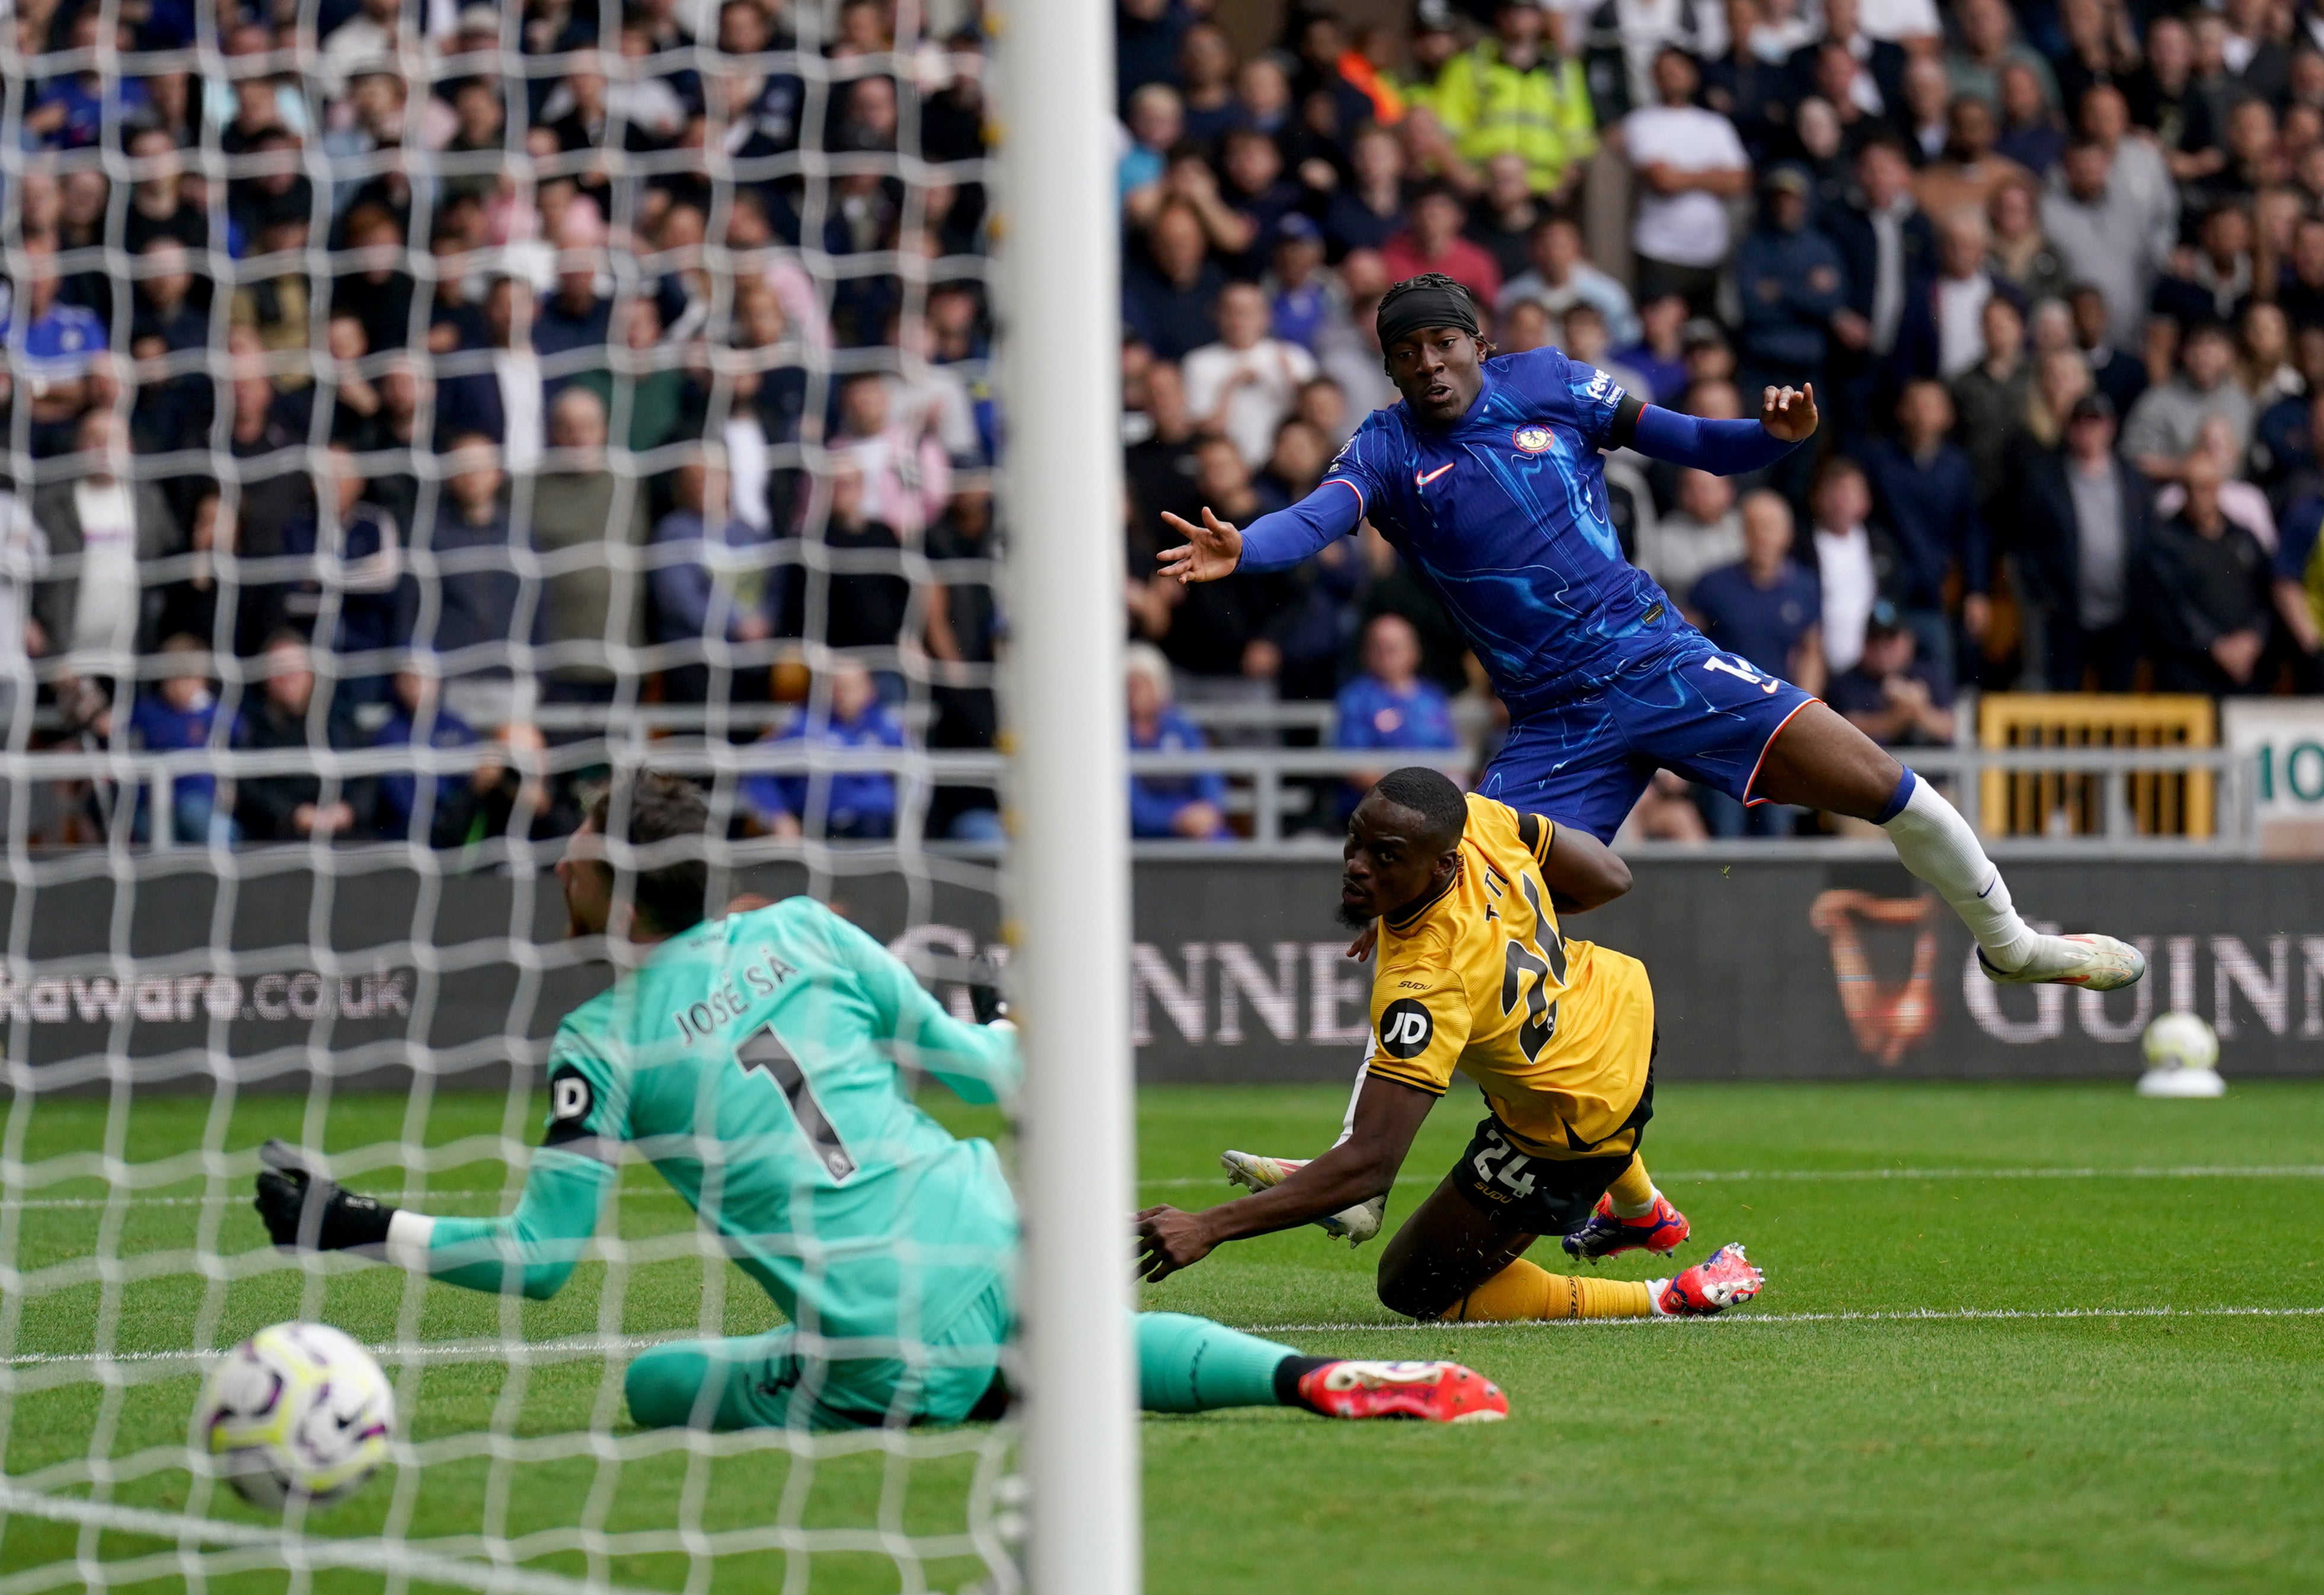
pixel 1939 846
pixel 1623 1210
pixel 1655 1288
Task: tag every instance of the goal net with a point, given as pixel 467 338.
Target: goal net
pixel 419 416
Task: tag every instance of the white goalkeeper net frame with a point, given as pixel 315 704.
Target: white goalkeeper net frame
pixel 157 1002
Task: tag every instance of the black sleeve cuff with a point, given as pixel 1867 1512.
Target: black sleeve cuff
pixel 1626 421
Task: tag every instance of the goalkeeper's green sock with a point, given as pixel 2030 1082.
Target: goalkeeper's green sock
pixel 1187 1364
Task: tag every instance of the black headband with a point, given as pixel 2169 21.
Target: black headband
pixel 1416 308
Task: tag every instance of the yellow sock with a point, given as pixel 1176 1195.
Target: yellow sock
pixel 1634 1192
pixel 1521 1292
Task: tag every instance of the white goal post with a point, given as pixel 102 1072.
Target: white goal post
pixel 1069 865
pixel 380 989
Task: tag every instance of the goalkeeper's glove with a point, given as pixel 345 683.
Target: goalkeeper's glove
pixel 984 996
pixel 312 1213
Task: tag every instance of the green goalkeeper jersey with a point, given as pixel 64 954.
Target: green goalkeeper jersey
pixel 754 1061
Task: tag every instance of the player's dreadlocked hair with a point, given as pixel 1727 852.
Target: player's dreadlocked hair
pixel 1432 795
pixel 1429 300
pixel 662 808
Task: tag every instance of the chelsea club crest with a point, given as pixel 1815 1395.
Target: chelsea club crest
pixel 1532 439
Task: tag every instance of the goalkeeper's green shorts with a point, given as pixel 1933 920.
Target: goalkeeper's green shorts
pixel 773 1381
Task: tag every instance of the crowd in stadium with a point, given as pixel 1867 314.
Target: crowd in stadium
pixel 2056 272
pixel 505 443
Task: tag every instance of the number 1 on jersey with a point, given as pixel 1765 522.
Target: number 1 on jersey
pixel 766 1051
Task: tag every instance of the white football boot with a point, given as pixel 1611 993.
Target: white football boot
pixel 2093 962
pixel 1357 1224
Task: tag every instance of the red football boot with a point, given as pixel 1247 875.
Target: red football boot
pixel 1433 1392
pixel 1603 1235
pixel 1724 1280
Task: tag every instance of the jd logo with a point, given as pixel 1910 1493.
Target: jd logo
pixel 1405 1029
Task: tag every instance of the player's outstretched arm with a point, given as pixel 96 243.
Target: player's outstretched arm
pixel 531 1251
pixel 1582 873
pixel 1216 548
pixel 1788 417
pixel 1388 1116
pixel 978 1063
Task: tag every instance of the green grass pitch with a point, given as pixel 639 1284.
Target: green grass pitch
pixel 2119 1385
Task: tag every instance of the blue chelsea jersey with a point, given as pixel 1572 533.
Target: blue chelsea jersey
pixel 1504 517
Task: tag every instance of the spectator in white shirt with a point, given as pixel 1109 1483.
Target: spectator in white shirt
pixel 1962 287
pixel 1689 163
pixel 23 552
pixel 927 397
pixel 1243 386
pixel 1649 27
pixel 907 477
pixel 363 40
pixel 1841 502
pixel 111 524
pixel 1900 22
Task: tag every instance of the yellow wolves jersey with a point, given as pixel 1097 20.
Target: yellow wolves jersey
pixel 1556 1033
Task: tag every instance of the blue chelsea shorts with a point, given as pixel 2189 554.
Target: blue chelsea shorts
pixel 1709 715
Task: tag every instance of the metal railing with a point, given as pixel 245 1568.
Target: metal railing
pixel 2234 816
pixel 1276 792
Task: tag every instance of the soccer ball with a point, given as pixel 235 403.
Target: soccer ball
pixel 2181 1041
pixel 298 1409
pixel 2182 1054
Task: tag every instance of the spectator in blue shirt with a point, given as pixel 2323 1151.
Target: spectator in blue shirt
pixel 181 712
pixel 448 803
pixel 1157 123
pixel 1766 608
pixel 1768 611
pixel 1926 491
pixel 473 560
pixel 852 804
pixel 1390 705
pixel 1790 278
pixel 506 793
pixel 1183 807
pixel 1166 296
pixel 2299 591
pixel 573 318
pixel 60 342
pixel 350 599
pixel 1299 296
pixel 1660 354
pixel 71 112
pixel 713 582
pixel 1890 696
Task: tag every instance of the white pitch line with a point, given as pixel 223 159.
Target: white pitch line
pixel 1667 1177
pixel 472 1351
pixel 1917 1315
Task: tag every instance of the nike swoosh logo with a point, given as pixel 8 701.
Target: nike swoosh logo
pixel 1420 481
